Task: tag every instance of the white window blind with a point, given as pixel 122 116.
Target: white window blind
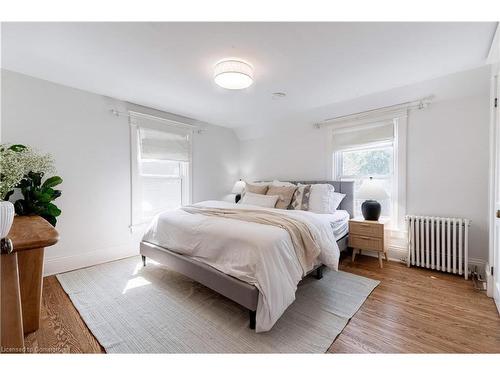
pixel 161 164
pixel 351 137
pixel 164 145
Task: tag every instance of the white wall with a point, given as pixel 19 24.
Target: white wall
pixel 447 152
pixel 91 148
pixel 448 155
pixel 447 170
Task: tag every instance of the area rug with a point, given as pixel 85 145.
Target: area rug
pixel 135 309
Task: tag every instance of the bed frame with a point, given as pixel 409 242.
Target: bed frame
pixel 239 291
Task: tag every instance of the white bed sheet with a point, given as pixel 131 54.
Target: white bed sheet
pixel 262 255
pixel 339 222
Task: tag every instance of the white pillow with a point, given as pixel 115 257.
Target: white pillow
pixel 261 183
pixel 259 200
pixel 320 200
pixel 281 183
pixel 229 198
pixel 335 201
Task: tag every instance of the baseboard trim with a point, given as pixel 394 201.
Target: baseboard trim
pixel 400 254
pixel 397 253
pixel 489 281
pixel 480 264
pixel 57 265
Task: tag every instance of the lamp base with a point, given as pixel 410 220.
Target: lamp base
pixel 371 210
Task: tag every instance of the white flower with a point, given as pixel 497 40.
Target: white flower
pixel 14 165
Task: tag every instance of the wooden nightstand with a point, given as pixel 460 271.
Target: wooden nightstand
pixel 367 235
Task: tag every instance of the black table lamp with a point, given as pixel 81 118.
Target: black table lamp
pixel 371 192
pixel 238 189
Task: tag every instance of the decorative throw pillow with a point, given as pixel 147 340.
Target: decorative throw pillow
pixel 256 189
pixel 337 198
pixel 300 200
pixel 261 183
pixel 281 183
pixel 320 199
pixel 259 200
pixel 285 194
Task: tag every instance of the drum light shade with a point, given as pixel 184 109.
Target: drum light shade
pixel 233 74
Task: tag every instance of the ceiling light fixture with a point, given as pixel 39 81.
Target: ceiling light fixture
pixel 233 74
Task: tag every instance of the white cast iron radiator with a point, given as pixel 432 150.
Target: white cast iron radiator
pixel 439 243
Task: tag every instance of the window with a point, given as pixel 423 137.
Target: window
pixel 163 185
pixel 374 149
pixel 370 160
pixel 161 164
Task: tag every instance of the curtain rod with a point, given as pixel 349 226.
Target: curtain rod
pixel 416 104
pixel 133 114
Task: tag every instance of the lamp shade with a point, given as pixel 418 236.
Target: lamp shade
pixel 371 189
pixel 233 74
pixel 238 187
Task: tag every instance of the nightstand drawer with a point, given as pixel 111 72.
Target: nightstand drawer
pixel 367 229
pixel 366 243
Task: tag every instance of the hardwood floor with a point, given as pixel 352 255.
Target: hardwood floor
pixel 419 311
pixel 62 330
pixel 411 311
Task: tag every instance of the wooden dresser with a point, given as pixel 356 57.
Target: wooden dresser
pixel 21 280
pixel 367 235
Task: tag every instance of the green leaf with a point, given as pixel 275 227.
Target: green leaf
pixel 49 191
pixel 53 210
pixel 39 208
pixel 53 193
pixel 51 219
pixel 42 197
pixel 36 178
pixel 17 148
pixel 8 195
pixel 25 183
pixel 52 181
pixel 19 207
pixel 37 197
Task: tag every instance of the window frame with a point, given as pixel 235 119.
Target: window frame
pixel 338 169
pixel 183 177
pixel 362 147
pixel 138 220
pixel 400 125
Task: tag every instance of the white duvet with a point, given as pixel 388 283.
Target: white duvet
pixel 262 255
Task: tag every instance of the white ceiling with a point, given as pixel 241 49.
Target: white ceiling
pixel 169 66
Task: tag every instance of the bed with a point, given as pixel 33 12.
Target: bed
pixel 273 289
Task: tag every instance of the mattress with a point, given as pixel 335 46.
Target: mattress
pixel 258 254
pixel 339 221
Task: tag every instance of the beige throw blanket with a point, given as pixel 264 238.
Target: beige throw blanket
pixel 305 246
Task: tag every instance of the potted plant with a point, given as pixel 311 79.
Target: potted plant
pixel 23 168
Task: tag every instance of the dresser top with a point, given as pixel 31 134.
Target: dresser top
pixel 32 232
pixel 381 220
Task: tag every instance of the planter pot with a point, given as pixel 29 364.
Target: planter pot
pixel 6 217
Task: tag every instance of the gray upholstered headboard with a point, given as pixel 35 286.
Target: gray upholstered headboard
pixel 344 187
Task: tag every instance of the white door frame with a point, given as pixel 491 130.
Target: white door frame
pixel 494 248
pixel 493 267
